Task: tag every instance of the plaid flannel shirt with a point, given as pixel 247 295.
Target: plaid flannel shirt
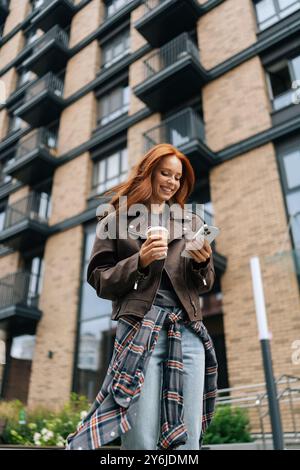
pixel 114 408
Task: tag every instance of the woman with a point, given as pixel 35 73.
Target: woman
pixel 163 360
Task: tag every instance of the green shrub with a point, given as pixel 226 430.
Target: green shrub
pixel 230 425
pixel 9 410
pixel 43 427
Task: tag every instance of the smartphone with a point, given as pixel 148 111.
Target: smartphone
pixel 209 232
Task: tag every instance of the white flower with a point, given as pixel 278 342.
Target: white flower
pixel 60 441
pixel 47 434
pixel 83 414
pixel 36 438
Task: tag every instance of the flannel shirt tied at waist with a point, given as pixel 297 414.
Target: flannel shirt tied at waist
pixel 114 409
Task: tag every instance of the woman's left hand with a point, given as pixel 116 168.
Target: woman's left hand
pixel 203 254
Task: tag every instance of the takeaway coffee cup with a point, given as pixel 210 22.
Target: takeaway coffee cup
pixel 158 230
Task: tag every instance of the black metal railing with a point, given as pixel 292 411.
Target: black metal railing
pixel 56 33
pixel 35 206
pixel 176 130
pixel 49 82
pixel 175 50
pixel 19 288
pixel 40 138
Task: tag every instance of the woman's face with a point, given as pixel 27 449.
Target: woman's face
pixel 166 179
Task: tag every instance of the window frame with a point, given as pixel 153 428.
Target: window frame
pixel 110 96
pixel 281 153
pixel 293 78
pixel 96 171
pixel 125 37
pixel 278 12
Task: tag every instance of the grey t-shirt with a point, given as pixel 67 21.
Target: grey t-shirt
pixel 165 295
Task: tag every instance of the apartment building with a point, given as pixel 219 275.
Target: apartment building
pixel 86 88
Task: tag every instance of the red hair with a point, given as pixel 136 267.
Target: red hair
pixel 138 186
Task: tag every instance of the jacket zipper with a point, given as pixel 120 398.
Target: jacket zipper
pixel 140 276
pixel 203 279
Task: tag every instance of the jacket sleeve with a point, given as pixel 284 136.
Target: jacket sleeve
pixel 110 277
pixel 203 274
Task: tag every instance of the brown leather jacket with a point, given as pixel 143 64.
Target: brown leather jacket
pixel 113 269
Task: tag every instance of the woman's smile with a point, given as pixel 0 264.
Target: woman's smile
pixel 166 190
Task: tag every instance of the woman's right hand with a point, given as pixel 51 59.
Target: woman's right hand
pixel 153 248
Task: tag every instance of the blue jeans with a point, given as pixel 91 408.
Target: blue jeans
pixel 145 432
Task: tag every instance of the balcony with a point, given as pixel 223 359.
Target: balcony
pixel 43 101
pixel 19 302
pixel 165 19
pixel 35 158
pixel 50 52
pixel 184 130
pixel 53 12
pixel 171 75
pixel 3 10
pixel 26 222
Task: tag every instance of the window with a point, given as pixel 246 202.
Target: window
pixel 17 377
pixel 110 171
pixel 3 177
pixel 25 76
pixel 114 104
pixel 15 124
pixel 96 332
pixel 35 266
pixel 23 347
pixel 4 6
pixel 31 36
pixel 43 209
pixel 3 206
pixel 269 12
pixel 113 6
pixel 280 78
pixel 115 49
pixel 36 4
pixel 290 167
pixel 1 29
pixel 50 138
pixel 2 353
